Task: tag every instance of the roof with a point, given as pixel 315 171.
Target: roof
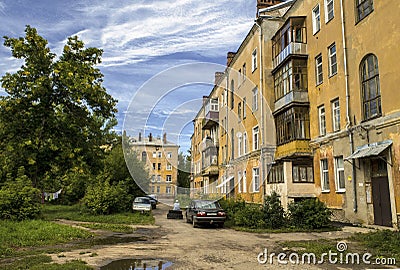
pixel 368 150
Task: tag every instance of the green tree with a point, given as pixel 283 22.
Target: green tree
pixel 57 114
pixel 184 163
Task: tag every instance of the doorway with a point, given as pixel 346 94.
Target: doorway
pixel 381 194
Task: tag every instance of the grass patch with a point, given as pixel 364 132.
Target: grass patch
pixel 43 262
pixel 78 213
pixel 380 243
pixel 35 233
pixel 317 247
pixel 109 227
pixel 282 230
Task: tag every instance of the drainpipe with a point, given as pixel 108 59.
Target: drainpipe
pixel 348 121
pixel 261 105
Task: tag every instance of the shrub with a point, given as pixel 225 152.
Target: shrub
pixel 309 214
pixel 19 200
pixel 274 214
pixel 250 216
pixel 104 198
pixel 231 207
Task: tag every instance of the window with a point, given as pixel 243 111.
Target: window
pixel 244 71
pixel 254 60
pixel 363 8
pixel 158 189
pixel 169 167
pixel 144 156
pixel 244 108
pixel 169 155
pixel 319 78
pixel 239 111
pixel 255 138
pixel 153 178
pixel 214 105
pixel 244 182
pixel 302 173
pixel 335 115
pixel 158 178
pixel 169 178
pixel 159 166
pixel 332 60
pixel 154 166
pixel 256 179
pixel 240 144
pixel 370 88
pixel 154 154
pixel 339 174
pixel 152 189
pixel 322 122
pixel 291 77
pixel 255 99
pixel 275 174
pixel 232 94
pixel 232 144
pixel 316 19
pixel 324 175
pixel 239 184
pixel 168 190
pixel 292 124
pixel 245 143
pixel 329 10
pixel 159 154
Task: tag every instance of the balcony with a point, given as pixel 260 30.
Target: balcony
pixel 294 48
pixel 290 39
pixel 211 120
pixel 290 98
pixel 210 159
pixel 295 148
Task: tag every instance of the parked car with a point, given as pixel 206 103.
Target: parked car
pixel 205 212
pixel 153 201
pixel 142 204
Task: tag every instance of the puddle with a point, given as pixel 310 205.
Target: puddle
pixel 137 264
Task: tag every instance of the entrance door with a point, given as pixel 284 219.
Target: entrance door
pixel 381 196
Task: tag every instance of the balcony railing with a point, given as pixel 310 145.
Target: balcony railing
pixel 210 159
pixel 291 97
pixel 294 48
pixel 211 120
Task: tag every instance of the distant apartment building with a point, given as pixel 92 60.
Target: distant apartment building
pixel 313 83
pixel 161 158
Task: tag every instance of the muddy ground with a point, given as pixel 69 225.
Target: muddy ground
pixel 199 248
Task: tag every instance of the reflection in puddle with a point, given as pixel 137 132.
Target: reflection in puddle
pixel 136 264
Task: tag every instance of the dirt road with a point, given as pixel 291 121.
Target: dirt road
pixel 199 248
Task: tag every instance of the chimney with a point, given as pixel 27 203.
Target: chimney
pixel 165 138
pixel 229 58
pixel 205 98
pixel 218 77
pixel 150 137
pixel 266 3
pixel 140 136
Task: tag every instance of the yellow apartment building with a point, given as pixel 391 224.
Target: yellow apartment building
pixel 161 158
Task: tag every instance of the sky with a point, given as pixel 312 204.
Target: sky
pixel 151 51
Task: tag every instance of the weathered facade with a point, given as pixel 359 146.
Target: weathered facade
pixel 161 158
pixel 326 75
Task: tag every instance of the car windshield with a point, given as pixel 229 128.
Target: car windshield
pixel 207 205
pixel 142 200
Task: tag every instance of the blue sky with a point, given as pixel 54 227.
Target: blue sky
pixel 140 39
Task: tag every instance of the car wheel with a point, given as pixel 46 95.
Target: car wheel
pixel 194 223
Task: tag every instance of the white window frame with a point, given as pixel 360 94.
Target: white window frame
pixel 254 104
pixel 169 167
pixel 322 120
pixel 169 155
pixel 158 189
pixel 256 179
pixel 158 178
pixel 154 154
pixel 245 143
pixel 327 11
pixel 324 175
pixel 159 154
pixel 240 144
pixel 319 71
pixel 332 60
pixel 335 115
pixel 256 138
pixel 168 190
pixel 239 184
pixel 254 60
pixel 244 180
pixel 170 178
pixel 316 19
pixel 214 105
pixel 338 170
